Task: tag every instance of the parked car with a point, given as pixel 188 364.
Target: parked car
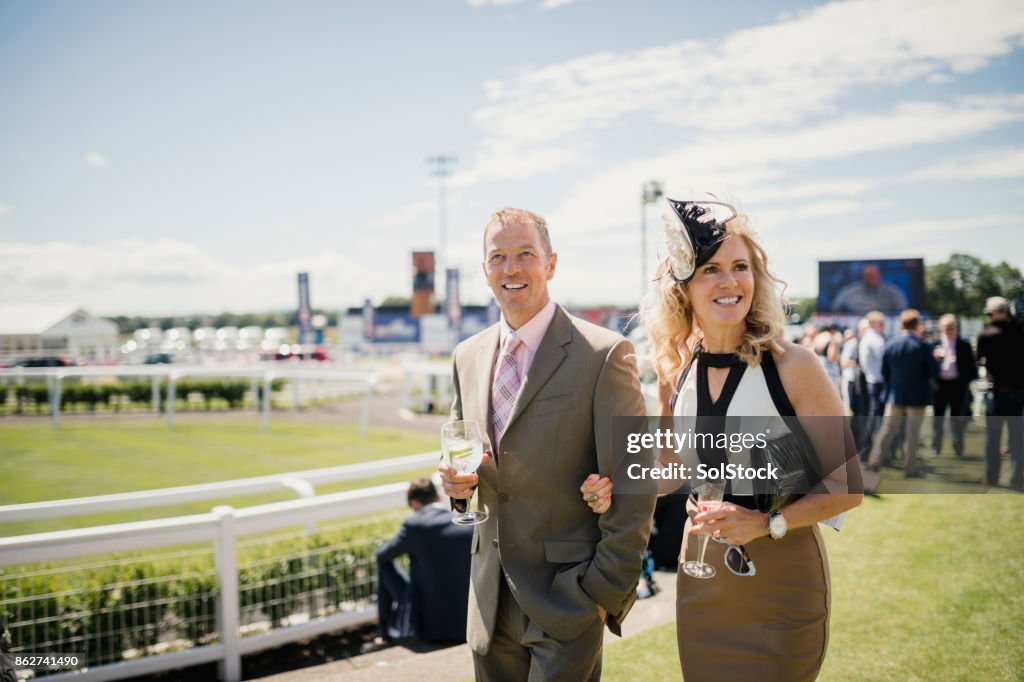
pixel 42 362
pixel 158 359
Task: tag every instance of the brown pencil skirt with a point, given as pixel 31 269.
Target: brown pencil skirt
pixel 771 626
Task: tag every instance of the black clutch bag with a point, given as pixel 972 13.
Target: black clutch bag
pixel 797 470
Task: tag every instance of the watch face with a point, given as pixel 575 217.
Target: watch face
pixel 778 525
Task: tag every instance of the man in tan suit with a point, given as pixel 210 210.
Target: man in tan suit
pixel 547 573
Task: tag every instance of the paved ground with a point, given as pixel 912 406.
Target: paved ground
pixel 451 664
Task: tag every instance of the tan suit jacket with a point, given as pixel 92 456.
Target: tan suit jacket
pixel 561 559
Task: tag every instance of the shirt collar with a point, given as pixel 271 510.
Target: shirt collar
pixel 531 333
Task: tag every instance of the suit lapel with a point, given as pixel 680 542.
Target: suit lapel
pixel 547 359
pixel 483 365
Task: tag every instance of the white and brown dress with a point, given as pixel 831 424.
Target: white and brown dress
pixel 773 625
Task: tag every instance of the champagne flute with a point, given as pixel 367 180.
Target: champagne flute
pixel 463 449
pixel 708 495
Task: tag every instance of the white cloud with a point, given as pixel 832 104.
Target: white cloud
pixel 554 4
pixel 990 164
pixel 785 74
pixel 916 237
pixel 750 166
pixel 96 160
pixel 1007 162
pixel 4 209
pixel 167 276
pixel 838 187
pixel 745 115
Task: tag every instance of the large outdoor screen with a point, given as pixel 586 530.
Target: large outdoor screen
pixel 856 287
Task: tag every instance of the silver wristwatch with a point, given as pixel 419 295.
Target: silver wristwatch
pixel 777 525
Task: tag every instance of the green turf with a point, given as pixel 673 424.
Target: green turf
pixel 924 587
pixel 946 473
pixel 39 462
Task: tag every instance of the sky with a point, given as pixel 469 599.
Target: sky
pixel 192 157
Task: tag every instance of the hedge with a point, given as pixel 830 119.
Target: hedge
pixel 134 393
pixel 105 611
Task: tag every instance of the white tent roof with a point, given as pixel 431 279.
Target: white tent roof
pixel 33 318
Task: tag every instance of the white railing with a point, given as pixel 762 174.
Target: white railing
pixel 222 527
pixel 302 482
pixel 55 376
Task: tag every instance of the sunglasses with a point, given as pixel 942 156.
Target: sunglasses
pixel 738 561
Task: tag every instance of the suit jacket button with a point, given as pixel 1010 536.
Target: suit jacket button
pixel 503 497
pixel 494 542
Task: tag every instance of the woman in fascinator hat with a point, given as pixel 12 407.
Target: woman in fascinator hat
pixel 715 322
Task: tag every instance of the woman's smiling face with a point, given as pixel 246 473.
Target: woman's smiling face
pixel 722 289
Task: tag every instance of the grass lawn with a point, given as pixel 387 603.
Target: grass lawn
pixel 924 587
pixel 38 462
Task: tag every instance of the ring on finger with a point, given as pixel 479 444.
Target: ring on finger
pixel 591 497
pixel 717 535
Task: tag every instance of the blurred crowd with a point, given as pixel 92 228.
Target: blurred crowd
pixel 890 383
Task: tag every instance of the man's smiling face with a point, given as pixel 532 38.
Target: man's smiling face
pixel 518 268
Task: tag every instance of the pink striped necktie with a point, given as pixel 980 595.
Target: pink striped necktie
pixel 506 386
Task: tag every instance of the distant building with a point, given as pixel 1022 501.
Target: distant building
pixel 32 330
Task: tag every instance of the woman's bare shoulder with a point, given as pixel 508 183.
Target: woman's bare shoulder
pixel 795 358
pixel 805 381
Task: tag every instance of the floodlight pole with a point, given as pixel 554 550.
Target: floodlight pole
pixel 441 169
pixel 652 191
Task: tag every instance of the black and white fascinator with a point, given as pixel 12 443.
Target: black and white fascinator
pixel 693 232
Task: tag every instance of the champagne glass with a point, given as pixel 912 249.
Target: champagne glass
pixel 709 494
pixel 463 449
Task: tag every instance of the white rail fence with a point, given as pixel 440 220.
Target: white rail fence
pixel 55 376
pixel 302 482
pixel 225 642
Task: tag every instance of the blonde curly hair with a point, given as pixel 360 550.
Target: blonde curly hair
pixel 667 314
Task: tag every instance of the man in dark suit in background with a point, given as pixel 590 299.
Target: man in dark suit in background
pixel 999 349
pixel 908 370
pixel 430 602
pixel 956 371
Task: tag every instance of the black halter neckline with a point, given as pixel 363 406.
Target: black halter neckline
pixel 719 359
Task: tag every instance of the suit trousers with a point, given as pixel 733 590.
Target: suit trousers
pixel 950 394
pixel 874 410
pixel 1004 406
pixel 521 652
pixel 895 416
pixel 394 602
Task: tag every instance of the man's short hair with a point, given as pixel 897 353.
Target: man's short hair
pixel 875 317
pixel 947 319
pixel 519 216
pixel 910 319
pixel 422 490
